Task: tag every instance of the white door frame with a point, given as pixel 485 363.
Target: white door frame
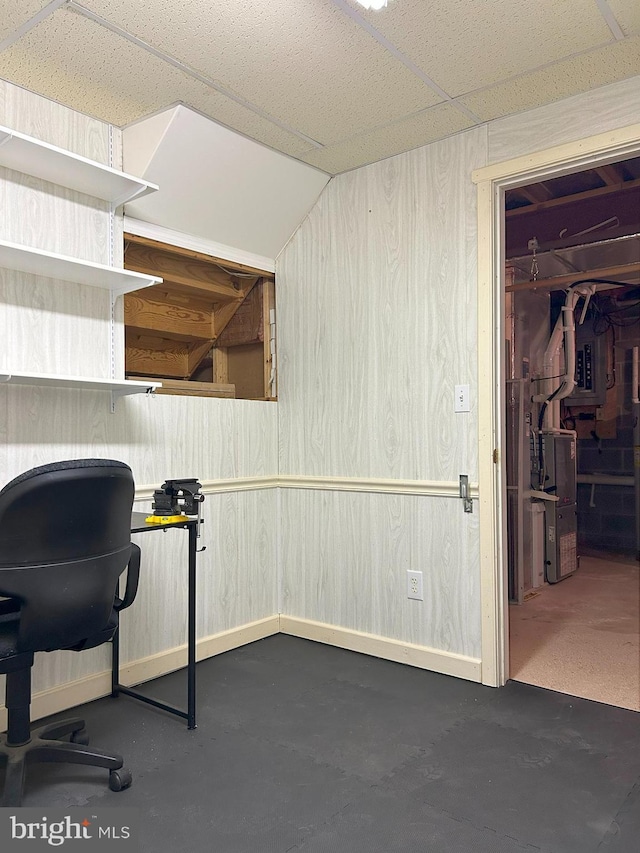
pixel 492 183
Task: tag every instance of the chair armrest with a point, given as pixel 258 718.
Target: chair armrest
pixel 133 575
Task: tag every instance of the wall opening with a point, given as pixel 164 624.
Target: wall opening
pixel 207 330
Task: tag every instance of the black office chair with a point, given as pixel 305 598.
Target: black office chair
pixel 65 539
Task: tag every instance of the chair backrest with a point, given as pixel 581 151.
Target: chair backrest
pixel 65 538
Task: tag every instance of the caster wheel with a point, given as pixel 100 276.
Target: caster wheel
pixel 119 780
pixel 81 737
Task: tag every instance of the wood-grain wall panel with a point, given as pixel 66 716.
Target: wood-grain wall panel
pixel 34 210
pixel 159 437
pixel 235 575
pixel 376 324
pixel 347 565
pixel 53 326
pixel 49 121
pixel 608 108
pixel 377 320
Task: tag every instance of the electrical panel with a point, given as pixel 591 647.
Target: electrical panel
pixel 591 369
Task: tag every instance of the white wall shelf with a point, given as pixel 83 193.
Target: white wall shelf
pixel 42 160
pixel 33 157
pixel 117 387
pixel 51 265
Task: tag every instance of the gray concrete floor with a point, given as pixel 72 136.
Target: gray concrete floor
pixel 582 636
pixel 307 748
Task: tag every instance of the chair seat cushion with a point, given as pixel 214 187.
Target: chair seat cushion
pixel 103 636
pixel 11 659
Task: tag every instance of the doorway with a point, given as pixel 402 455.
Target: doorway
pixel 493 183
pixel 572 325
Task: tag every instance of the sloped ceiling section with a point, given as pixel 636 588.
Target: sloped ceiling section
pixel 218 185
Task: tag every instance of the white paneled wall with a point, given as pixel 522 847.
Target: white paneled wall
pixel 57 327
pixel 376 324
pixel 377 320
pixel 348 564
pixel 609 108
pixel 158 437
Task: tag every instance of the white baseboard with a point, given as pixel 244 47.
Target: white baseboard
pixel 422 657
pixel 168 661
pixel 69 695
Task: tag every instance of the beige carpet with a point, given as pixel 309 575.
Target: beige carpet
pixel 582 635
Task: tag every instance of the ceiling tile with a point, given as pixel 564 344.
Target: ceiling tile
pixel 301 61
pixel 627 14
pixel 434 123
pixel 578 74
pixel 71 60
pixel 467 44
pixel 13 15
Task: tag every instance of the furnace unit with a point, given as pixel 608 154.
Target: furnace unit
pixel 561 515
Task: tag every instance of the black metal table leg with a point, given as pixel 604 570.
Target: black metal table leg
pixel 117 689
pixel 191 630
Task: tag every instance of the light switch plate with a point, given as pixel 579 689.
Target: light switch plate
pixel 461 403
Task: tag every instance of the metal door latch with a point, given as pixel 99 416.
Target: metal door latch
pixel 464 493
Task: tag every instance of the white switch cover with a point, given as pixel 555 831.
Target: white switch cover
pixel 461 399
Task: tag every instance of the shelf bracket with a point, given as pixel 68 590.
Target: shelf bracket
pixel 117 393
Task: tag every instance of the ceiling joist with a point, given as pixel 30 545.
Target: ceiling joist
pixel 570 199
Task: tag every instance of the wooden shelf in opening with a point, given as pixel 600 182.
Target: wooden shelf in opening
pixel 193 389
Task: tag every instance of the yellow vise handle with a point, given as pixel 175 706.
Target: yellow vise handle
pixel 164 519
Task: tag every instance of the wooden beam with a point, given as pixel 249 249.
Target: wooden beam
pixel 612 174
pixel 160 359
pixel 535 193
pixel 220 365
pixel 559 282
pixel 224 313
pixel 570 199
pixel 202 278
pixel 212 292
pixel 268 302
pixel 195 355
pixel 176 322
pixel 246 326
pixel 230 266
pixel 193 389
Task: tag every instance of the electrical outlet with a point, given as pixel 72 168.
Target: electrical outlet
pixel 414 586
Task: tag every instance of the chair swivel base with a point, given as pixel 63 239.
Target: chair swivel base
pixel 45 746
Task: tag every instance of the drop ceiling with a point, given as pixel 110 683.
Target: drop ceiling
pixel 323 81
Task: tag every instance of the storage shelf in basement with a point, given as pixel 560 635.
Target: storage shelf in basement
pixel 51 265
pixel 42 160
pixel 118 387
